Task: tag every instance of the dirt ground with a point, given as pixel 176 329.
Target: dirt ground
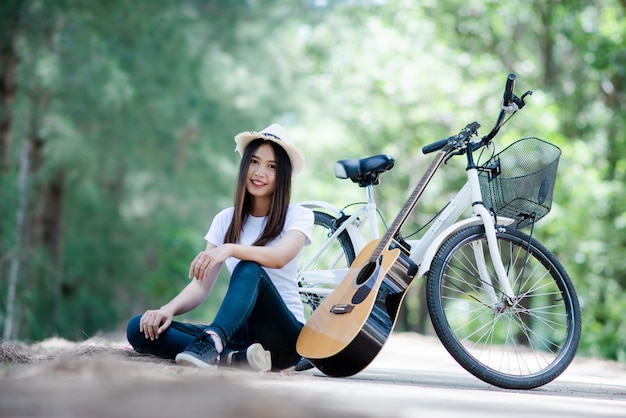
pixel 104 377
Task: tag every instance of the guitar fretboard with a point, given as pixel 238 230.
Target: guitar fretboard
pixel 409 205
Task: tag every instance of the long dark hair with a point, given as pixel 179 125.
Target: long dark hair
pixel 280 198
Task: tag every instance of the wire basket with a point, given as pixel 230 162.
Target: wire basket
pixel 518 181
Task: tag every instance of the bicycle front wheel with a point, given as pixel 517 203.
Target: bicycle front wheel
pixel 521 342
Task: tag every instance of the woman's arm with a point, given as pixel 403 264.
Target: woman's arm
pixel 156 321
pixel 276 256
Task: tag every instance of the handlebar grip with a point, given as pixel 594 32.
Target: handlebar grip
pixel 508 90
pixel 435 146
pixel 455 141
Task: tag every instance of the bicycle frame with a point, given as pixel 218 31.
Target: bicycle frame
pixel 367 213
pixel 353 225
pixel 424 249
pixel 423 252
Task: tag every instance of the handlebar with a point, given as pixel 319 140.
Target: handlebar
pixel 508 90
pixel 510 105
pixel 435 146
pixel 455 142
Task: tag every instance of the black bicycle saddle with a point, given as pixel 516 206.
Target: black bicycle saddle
pixel 364 171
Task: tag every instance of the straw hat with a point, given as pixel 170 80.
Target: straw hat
pixel 277 134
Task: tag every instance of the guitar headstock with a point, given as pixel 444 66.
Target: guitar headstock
pixel 460 140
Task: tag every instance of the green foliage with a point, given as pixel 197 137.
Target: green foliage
pixel 136 104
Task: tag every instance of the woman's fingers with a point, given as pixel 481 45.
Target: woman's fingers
pixel 150 324
pixel 194 266
pixel 164 326
pixel 201 266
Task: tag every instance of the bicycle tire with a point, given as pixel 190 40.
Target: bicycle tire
pixel 522 343
pixel 340 254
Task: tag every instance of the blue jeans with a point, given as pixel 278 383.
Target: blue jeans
pixel 252 311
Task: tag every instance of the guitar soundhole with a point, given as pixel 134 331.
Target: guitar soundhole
pixel 365 273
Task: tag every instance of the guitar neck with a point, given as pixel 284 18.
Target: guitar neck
pixel 409 205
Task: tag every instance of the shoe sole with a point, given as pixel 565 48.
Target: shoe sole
pixel 185 359
pixel 259 358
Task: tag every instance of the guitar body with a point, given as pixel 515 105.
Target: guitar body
pixel 346 332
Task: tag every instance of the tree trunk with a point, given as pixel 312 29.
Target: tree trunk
pixel 546 13
pixel 16 259
pixel 8 66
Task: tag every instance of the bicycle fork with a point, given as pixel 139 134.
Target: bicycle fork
pixel 478 209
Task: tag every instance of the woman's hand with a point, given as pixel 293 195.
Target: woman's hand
pixel 154 322
pixel 206 260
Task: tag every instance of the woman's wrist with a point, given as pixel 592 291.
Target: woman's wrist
pixel 231 249
pixel 167 310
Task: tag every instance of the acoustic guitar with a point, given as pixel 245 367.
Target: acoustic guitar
pixel 349 328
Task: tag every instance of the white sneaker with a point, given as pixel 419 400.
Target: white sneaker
pixel 259 359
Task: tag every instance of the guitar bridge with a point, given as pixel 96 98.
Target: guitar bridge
pixel 341 308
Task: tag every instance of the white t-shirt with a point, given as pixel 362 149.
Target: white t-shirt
pixel 298 218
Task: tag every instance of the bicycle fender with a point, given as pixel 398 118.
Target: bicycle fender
pixel 320 204
pixel 355 234
pixel 424 266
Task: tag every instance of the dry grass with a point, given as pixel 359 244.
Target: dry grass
pixel 11 354
pixel 55 348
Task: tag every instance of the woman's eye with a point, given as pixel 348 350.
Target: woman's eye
pixel 272 166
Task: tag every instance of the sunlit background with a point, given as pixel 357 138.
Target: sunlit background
pixel 117 121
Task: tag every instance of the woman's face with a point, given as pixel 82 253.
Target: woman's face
pixel 261 178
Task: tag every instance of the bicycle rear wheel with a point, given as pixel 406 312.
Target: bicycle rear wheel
pixel 339 254
pixel 519 343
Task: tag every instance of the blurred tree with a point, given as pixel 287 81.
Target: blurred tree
pixel 127 102
pixel 573 51
pixel 9 17
pixel 390 72
pixel 123 113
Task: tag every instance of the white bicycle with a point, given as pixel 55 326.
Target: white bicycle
pixel 500 302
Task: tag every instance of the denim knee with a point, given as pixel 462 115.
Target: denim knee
pixel 133 335
pixel 248 269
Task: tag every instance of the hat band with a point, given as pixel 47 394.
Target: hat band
pixel 272 135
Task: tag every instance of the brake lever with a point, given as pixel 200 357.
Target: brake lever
pixel 454 154
pixel 522 103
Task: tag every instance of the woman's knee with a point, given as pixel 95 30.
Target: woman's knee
pixel 134 336
pixel 251 273
pixel 248 269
